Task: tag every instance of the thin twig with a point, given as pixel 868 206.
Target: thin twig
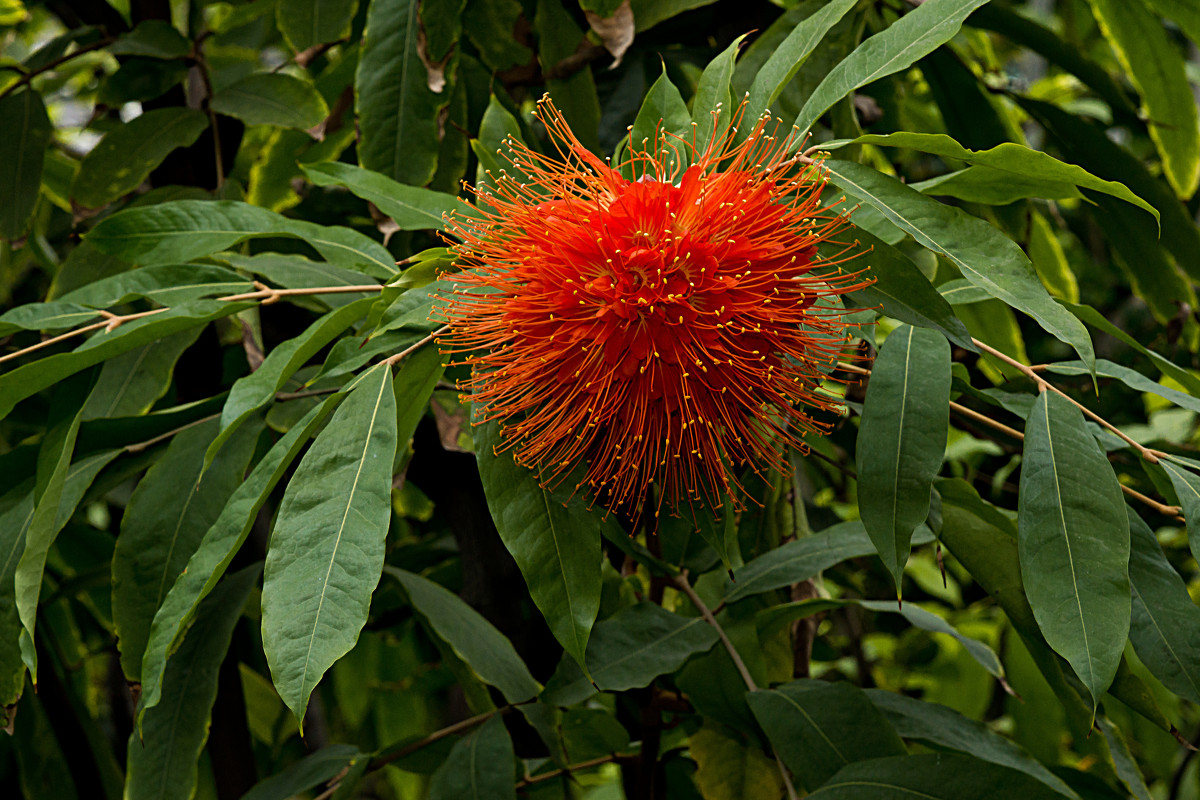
pixel 140 446
pixel 406 352
pixel 197 55
pixel 971 413
pixel 529 780
pixel 379 762
pixel 283 397
pixel 27 77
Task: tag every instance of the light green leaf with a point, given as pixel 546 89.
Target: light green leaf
pixel 326 552
pixel 1097 320
pixel 901 439
pixel 306 23
pixel 1165 623
pixel 22 155
pixel 629 650
pixel 216 550
pixel 163 763
pixel 934 776
pixel 132 382
pixel 1131 378
pixel 411 207
pixel 1156 68
pixel 915 35
pixel 1074 542
pixel 663 111
pixel 555 540
pixel 985 256
pixel 180 230
pixel 45 317
pixel 728 768
pixel 995 187
pixel 414 384
pixel 1016 162
pixel 481 766
pixel 167 517
pixel 272 98
pixel 397 111
pixel 473 639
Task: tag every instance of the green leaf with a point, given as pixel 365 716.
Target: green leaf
pixel 901 439
pixel 397 111
pixel 713 95
pixel 413 386
pixel 727 768
pixel 914 36
pixel 1074 542
pixel 216 550
pixel 1187 487
pixel 128 154
pixel 306 23
pixel 1094 318
pixel 22 154
pixel 1050 260
pixel 490 24
pixel 411 207
pixel 1156 69
pixel 45 317
pixel 163 763
pixel 475 640
pixel 256 390
pixel 787 59
pixel 1013 161
pixel 1131 378
pixel 152 38
pixel 412 309
pixel 996 187
pixel 663 111
pixel 985 256
pixel 481 766
pixel 936 725
pixel 559 38
pixel 629 650
pixel 554 538
pixel 326 551
pixel 1165 622
pixel 180 230
pixel 132 382
pixel 1123 760
pixel 167 517
pixel 935 776
pixel 818 727
pixel 166 285
pixel 296 272
pixel 801 559
pixel 307 773
pixel 272 98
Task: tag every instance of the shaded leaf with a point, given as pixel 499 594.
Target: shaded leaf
pixel 272 98
pixel 168 285
pixel 937 776
pixel 307 773
pixel 132 382
pixel 727 768
pixel 22 155
pixel 306 23
pixel 481 766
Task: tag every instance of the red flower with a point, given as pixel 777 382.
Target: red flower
pixel 658 330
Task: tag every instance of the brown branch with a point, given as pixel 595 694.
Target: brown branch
pixel 197 56
pixel 529 780
pixel 406 352
pixel 27 77
pixel 140 446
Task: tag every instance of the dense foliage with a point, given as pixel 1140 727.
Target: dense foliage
pixel 252 546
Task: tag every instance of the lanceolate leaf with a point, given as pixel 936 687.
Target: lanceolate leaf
pixel 902 439
pixel 305 23
pixel 216 550
pixel 410 207
pixel 936 776
pixel 555 542
pixel 481 766
pixel 664 111
pixel 1165 624
pixel 272 98
pixel 22 155
pixel 163 761
pixel 472 637
pixel 131 383
pixel 167 285
pixel 1074 542
pixel 326 551
pixel 915 35
pixel 1156 68
pixel 167 516
pixel 818 727
pixel 1132 379
pixel 1187 487
pixel 984 255
pixel 713 96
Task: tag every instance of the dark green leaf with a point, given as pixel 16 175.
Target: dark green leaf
pixel 559 38
pixel 167 517
pixel 472 637
pixel 555 540
pixel 306 23
pixel 163 761
pixel 712 106
pixel 984 255
pixel 1132 379
pixel 1187 487
pixel 45 317
pixel 216 550
pixel 22 153
pixel 937 776
pixel 902 439
pixel 132 382
pixel 414 385
pixel 127 155
pixel 1074 542
pixel 410 207
pixel 166 285
pixel 481 766
pixel 297 272
pixel 662 112
pixel 915 35
pixel 489 24
pixel 152 38
pixel 996 187
pixel 326 552
pixel 307 773
pixel 629 650
pixel 272 98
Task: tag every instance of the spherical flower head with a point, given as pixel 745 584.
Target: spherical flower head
pixel 658 323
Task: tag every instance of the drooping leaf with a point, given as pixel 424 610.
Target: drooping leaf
pixel 307 23
pixel 216 550
pixel 1123 760
pixel 915 35
pixel 45 317
pixel 127 155
pixel 22 155
pixel 1165 622
pixel 326 552
pixel 168 285
pixel 1187 488
pixel 1074 542
pixel 818 727
pixel 307 773
pixel 995 187
pixel 936 776
pixel 728 768
pixel 629 650
pixel 902 439
pixel 410 207
pixel 555 542
pixel 472 637
pixel 297 272
pixel 163 762
pixel 164 522
pixel 481 766
pixel 985 256
pixel 132 382
pixel 272 98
